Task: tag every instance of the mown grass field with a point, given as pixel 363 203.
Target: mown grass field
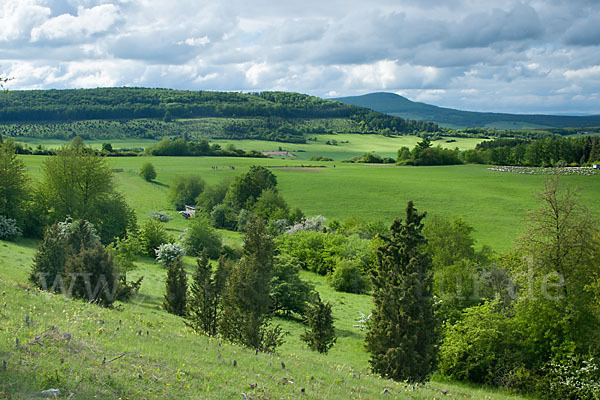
pixel 139 351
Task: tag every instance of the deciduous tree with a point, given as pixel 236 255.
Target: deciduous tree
pixel 13 181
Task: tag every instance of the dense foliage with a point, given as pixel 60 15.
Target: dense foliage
pixel 182 147
pixel 140 112
pixel 425 154
pixel 148 172
pixel 13 181
pixel 78 183
pixel 541 335
pixel 175 298
pixel 554 151
pixel 201 237
pixel 184 190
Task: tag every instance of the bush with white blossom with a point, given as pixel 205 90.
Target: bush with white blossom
pixel 167 253
pixel 9 229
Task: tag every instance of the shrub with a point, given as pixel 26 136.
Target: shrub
pixel 481 347
pixel 161 216
pixel 90 275
pixel 125 252
pixel 49 260
pixel 573 378
pixel 212 196
pixel 321 333
pixel 71 259
pixel 289 293
pixel 168 253
pixel 347 277
pixel 314 251
pixel 316 224
pixel 200 236
pixel 152 235
pixel 271 205
pixel 9 229
pixel 206 291
pixel 148 172
pixel 184 190
pixel 224 216
pixel 246 314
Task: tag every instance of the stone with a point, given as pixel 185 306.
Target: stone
pixel 50 393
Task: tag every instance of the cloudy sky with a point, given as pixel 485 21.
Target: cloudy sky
pixel 494 55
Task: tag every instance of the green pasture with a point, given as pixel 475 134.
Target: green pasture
pixel 138 351
pixel 348 145
pixel 494 203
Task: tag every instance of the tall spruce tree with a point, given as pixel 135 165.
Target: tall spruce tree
pixel 206 290
pixel 247 310
pixel 402 330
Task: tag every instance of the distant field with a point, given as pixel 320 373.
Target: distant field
pixel 495 203
pixel 356 145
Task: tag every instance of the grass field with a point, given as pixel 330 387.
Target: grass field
pixel 356 145
pixel 494 203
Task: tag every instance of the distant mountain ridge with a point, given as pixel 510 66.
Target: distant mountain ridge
pixel 396 105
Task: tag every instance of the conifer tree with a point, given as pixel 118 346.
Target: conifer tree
pixel 321 333
pixel 402 330
pixel 206 292
pixel 176 288
pixel 247 303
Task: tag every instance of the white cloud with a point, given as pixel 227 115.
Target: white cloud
pixel 200 41
pixel 89 21
pixel 590 73
pixel 495 56
pixel 18 17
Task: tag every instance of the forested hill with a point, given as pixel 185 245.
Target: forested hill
pixel 282 109
pixel 396 105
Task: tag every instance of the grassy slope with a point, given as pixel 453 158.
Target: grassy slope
pixel 167 360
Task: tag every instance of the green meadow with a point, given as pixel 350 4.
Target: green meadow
pixel 348 145
pixel 494 203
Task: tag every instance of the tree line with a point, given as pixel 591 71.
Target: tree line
pixel 166 104
pixel 549 152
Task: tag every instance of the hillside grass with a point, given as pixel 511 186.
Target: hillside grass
pixel 138 351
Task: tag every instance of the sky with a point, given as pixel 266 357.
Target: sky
pixel 530 56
